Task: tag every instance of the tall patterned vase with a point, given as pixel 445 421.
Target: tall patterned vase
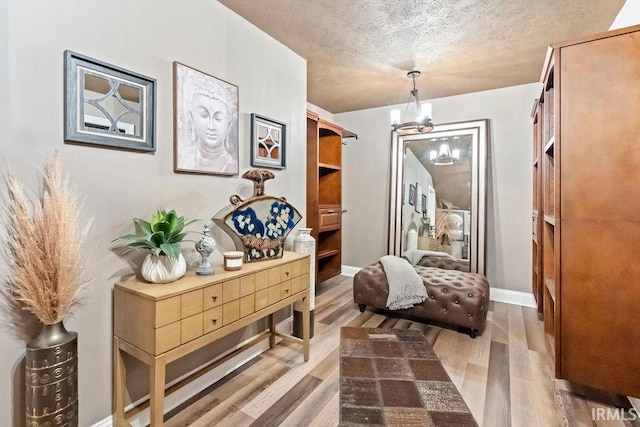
pixel 52 378
pixel 305 243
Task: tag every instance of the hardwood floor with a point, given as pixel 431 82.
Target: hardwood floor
pixel 504 375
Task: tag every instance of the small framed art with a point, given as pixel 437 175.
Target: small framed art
pixel 268 142
pixel 108 106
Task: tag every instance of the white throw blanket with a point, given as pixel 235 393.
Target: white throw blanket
pixel 415 255
pixel 405 285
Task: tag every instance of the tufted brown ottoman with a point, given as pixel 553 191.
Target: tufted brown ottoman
pixel 454 297
pixel 444 263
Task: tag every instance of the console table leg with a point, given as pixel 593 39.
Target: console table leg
pixel 305 327
pixel 119 380
pixel 157 379
pixel 272 329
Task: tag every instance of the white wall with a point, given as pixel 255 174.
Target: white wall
pixel 629 15
pixel 145 36
pixel 366 180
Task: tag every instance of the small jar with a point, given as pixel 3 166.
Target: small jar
pixel 233 260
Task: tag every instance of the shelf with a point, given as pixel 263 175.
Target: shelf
pixel 548 147
pixel 535 239
pixel 550 220
pixel 329 167
pixel 328 253
pixel 535 162
pixel 328 228
pixel 348 134
pixel 551 287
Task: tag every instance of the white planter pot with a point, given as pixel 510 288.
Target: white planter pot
pixel 162 269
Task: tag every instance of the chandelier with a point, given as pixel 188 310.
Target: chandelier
pixel 422 123
pixel 444 156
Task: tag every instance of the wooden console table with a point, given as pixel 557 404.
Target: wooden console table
pixel 160 323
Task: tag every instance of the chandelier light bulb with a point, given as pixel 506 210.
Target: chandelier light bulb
pixel 395 117
pixel 426 108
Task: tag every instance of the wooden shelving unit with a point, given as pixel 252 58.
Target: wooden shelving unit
pixel 587 193
pixel 536 214
pixel 324 192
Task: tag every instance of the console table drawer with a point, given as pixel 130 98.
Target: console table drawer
pixel 167 311
pixel 191 328
pixel 247 285
pixel 166 338
pixel 212 296
pixel 274 294
pixel 262 299
pixel 288 271
pixel 274 276
pixel 191 303
pixel 261 279
pixel 286 289
pixel 230 312
pixel 247 305
pixel 296 284
pixel 230 290
pixel 212 319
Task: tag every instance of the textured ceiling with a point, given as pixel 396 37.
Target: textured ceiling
pixel 358 52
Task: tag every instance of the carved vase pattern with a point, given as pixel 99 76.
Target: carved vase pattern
pixel 163 269
pixel 51 378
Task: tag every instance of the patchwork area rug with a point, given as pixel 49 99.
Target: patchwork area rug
pixel 392 377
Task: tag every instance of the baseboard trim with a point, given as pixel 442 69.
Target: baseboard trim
pixel 350 271
pixel 524 299
pixel 180 396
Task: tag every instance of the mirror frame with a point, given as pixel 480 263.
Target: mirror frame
pixel 74 130
pixel 478 129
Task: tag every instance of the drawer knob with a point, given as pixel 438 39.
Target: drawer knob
pixel 215 297
pixel 286 291
pixel 286 272
pixel 214 320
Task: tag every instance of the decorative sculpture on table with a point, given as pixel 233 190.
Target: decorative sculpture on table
pixel 205 247
pixel 259 225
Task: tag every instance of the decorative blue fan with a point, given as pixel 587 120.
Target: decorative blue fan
pixel 260 224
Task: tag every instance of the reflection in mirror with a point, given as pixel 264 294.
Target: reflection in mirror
pixel 437 196
pixel 108 106
pixel 111 106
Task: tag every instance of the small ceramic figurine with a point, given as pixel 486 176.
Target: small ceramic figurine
pixel 205 247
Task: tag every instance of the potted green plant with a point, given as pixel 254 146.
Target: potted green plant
pixel 162 236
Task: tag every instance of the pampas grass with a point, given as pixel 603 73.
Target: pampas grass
pixel 44 244
pixel 446 224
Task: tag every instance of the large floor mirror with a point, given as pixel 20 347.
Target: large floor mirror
pixel 437 195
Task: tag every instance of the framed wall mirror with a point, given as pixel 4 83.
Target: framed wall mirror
pixel 449 164
pixel 108 106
